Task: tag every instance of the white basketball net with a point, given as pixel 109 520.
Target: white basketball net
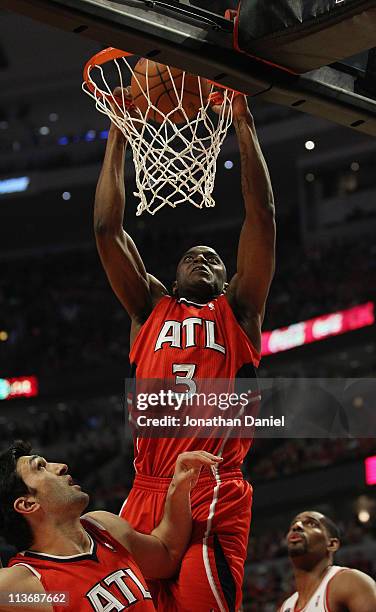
pixel 174 163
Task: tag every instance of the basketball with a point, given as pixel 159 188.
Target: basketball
pixel 164 87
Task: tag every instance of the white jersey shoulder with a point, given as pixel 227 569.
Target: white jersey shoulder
pixel 318 601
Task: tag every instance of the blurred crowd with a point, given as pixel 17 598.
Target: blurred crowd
pixel 59 313
pixel 274 459
pixel 320 281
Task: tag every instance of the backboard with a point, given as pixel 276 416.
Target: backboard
pixel 200 40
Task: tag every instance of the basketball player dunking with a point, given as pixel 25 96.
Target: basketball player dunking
pixel 206 329
pixel 321 586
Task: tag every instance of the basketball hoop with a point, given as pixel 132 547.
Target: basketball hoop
pixel 175 163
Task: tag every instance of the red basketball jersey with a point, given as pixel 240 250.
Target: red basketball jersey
pixel 208 342
pixel 105 578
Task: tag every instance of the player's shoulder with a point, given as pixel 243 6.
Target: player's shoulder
pixel 348 580
pixel 349 576
pixel 19 576
pixel 289 603
pixel 19 580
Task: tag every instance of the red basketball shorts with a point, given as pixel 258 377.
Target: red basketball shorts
pixel 211 574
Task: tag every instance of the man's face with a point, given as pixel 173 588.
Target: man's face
pixel 200 270
pixel 307 535
pixel 51 486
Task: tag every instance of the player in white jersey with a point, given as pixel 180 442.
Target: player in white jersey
pixel 312 540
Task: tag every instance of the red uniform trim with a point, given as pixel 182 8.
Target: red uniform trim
pixel 327 589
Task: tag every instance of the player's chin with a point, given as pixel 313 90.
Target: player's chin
pixel 295 549
pixel 77 493
pixel 204 281
pixel 82 499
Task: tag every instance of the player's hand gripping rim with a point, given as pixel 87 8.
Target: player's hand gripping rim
pixel 189 465
pixel 123 99
pixel 239 104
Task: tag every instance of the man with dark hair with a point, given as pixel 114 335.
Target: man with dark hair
pixel 96 561
pixel 207 329
pixel 312 540
pixel 13 524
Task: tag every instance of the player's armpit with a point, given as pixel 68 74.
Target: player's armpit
pixel 19 581
pixel 354 591
pixel 148 551
pixel 157 289
pixel 151 555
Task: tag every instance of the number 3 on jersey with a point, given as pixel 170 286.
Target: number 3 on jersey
pixel 189 370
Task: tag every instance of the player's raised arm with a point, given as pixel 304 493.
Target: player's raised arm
pixel 158 555
pixel 249 288
pixel 124 267
pixel 174 530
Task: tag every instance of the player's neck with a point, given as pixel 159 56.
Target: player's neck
pixel 307 579
pixel 197 298
pixel 62 539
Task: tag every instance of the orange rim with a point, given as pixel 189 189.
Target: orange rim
pixel 111 54
pixel 98 60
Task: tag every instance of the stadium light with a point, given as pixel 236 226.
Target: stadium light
pixel 14 185
pixel 309 145
pixel 90 135
pixel 363 516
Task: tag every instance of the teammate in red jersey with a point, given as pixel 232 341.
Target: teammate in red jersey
pixel 207 329
pixel 312 541
pixel 93 563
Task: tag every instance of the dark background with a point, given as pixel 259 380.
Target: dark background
pixel 64 325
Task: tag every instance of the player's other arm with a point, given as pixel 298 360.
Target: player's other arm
pixel 353 591
pixel 136 290
pixel 158 555
pixel 249 288
pixel 20 581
